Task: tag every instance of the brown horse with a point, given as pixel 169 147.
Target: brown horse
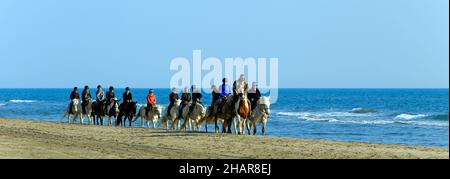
pixel 98 111
pixel 226 114
pixel 126 111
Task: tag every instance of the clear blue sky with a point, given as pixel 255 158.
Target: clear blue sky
pixel 319 43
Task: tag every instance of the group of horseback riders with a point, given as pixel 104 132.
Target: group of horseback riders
pixel 219 96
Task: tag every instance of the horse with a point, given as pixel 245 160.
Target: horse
pixel 193 118
pixel 113 111
pixel 126 111
pixel 76 111
pixel 209 117
pixel 98 112
pixel 226 115
pixel 88 112
pixel 260 115
pixel 152 116
pixel 173 116
pixel 243 109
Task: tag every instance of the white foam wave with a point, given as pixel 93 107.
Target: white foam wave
pixel 2 104
pixel 410 116
pixel 323 114
pixel 21 101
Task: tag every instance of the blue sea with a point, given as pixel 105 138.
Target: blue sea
pixel 394 116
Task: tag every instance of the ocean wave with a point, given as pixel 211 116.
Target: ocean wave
pixel 323 114
pixel 2 104
pixel 362 110
pixel 351 118
pixel 410 116
pixel 438 117
pixel 21 101
pixel 424 123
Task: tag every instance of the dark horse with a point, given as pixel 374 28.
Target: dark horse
pixel 98 111
pixel 227 114
pixel 126 111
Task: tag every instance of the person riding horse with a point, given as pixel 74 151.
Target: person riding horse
pixel 254 95
pixel 172 98
pixel 196 99
pixel 127 96
pixel 185 99
pixel 73 95
pixel 110 97
pixel 151 101
pixel 224 92
pixel 239 88
pixel 85 97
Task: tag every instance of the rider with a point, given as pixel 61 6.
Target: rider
pixel 215 94
pixel 110 97
pixel 185 99
pixel 239 88
pixel 196 98
pixel 215 98
pixel 100 94
pixel 224 91
pixel 254 95
pixel 85 96
pixel 172 98
pixel 127 96
pixel 73 95
pixel 151 101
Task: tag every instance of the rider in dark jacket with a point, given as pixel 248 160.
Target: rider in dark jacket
pixel 254 95
pixel 127 96
pixel 85 96
pixel 185 99
pixel 110 96
pixel 196 98
pixel 172 98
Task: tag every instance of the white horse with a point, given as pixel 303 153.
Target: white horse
pixel 173 116
pixel 260 115
pixel 89 115
pixel 113 111
pixel 152 116
pixel 194 118
pixel 76 112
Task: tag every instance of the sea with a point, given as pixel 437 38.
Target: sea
pixel 394 116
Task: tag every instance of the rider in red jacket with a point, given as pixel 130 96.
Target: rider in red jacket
pixel 151 101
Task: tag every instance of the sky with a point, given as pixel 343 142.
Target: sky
pixel 319 43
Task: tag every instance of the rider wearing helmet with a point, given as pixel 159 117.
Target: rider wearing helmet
pixel 127 96
pixel 151 101
pixel 172 98
pixel 185 99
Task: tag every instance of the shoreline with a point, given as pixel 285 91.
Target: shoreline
pixel 26 138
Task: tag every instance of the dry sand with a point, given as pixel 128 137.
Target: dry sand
pixel 38 139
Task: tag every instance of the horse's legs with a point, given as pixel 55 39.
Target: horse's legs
pixel 216 127
pixel 184 124
pixel 264 125
pixel 174 121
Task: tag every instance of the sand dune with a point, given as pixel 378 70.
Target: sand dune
pixel 37 139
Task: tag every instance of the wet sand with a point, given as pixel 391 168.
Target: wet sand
pixel 32 139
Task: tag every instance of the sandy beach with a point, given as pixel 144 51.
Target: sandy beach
pixel 32 139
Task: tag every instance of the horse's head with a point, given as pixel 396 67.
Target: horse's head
pixel 158 110
pixel 264 105
pixel 177 102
